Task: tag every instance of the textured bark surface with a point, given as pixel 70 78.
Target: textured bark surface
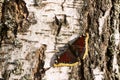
pixel 32 32
pixel 102 49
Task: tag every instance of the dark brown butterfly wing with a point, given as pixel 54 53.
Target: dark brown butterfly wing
pixel 79 46
pixel 66 59
pixel 80 41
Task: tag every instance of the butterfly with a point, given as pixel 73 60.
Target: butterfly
pixel 77 50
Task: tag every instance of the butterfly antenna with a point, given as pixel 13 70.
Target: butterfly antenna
pixel 47 68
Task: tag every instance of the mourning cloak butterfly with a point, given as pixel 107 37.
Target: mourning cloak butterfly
pixel 78 49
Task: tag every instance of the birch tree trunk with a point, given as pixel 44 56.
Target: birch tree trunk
pixel 32 32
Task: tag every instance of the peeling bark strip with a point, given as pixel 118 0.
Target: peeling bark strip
pixel 77 50
pixel 13 18
pixel 38 70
